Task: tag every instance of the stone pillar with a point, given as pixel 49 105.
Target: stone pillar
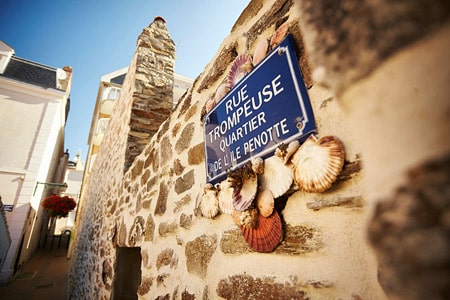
pixel 388 64
pixel 153 86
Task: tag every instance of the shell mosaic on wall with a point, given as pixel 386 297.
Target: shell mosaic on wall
pixel 249 193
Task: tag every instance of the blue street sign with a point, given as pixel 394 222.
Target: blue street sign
pixel 267 107
pixel 8 207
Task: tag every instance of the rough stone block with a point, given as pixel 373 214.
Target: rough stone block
pixel 247 287
pixel 185 138
pixel 161 204
pixel 348 202
pixel 410 233
pixel 233 242
pixel 184 183
pixel 166 229
pixel 196 155
pixel 198 254
pixel 299 240
pixel 166 258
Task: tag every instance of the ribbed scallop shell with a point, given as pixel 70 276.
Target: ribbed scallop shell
pixel 318 162
pixel 279 35
pixel 241 66
pixel 243 196
pixel 266 236
pixel 265 203
pixel 260 51
pixel 277 176
pixel 210 204
pixel 221 91
pixel 226 197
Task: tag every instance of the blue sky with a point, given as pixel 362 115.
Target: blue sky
pixel 98 37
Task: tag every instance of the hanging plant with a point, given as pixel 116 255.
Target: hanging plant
pixel 58 206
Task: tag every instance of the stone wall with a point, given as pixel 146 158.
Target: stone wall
pixel 388 65
pixel 153 205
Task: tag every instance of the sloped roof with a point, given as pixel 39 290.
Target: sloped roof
pixel 31 72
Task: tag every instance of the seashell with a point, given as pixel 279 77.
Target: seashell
pixel 260 51
pixel 221 91
pixel 209 204
pixel 244 195
pixel 265 203
pixel 266 236
pixel 257 165
pixel 249 218
pixel 285 152
pixel 318 162
pixel 279 35
pixel 277 176
pixel 226 197
pixel 242 64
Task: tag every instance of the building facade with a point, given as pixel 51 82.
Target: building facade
pixel 34 103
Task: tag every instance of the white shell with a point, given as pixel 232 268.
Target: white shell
pixel 210 204
pixel 257 165
pixel 243 196
pixel 285 152
pixel 221 91
pixel 265 203
pixel 318 162
pixel 277 176
pixel 260 51
pixel 226 197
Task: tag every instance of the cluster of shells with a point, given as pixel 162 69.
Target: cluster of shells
pixel 249 192
pixel 244 63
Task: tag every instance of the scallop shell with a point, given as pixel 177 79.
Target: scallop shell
pixel 266 236
pixel 260 51
pixel 286 151
pixel 243 196
pixel 221 91
pixel 241 66
pixel 277 176
pixel 265 203
pixel 257 165
pixel 279 35
pixel 249 218
pixel 209 204
pixel 318 162
pixel 226 197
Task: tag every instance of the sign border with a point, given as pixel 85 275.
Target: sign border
pixel 284 47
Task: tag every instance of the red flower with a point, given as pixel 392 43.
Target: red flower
pixel 58 206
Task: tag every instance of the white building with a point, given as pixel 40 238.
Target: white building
pixel 34 103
